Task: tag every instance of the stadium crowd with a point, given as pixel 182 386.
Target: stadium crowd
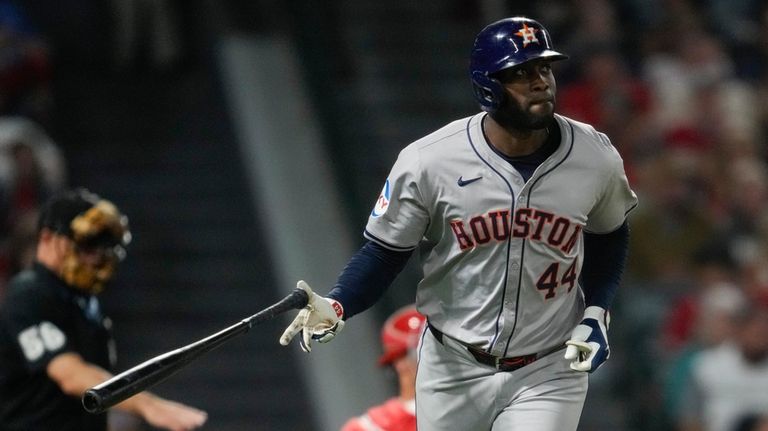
pixel 681 87
pixel 32 166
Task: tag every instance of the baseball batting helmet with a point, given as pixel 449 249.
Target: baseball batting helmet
pixel 503 44
pixel 401 333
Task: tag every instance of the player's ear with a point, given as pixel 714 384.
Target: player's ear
pixel 45 235
pixel 53 240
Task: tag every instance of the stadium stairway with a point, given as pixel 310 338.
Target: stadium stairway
pixel 160 148
pixel 410 60
pixel 384 74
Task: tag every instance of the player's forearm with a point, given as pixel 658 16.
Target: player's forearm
pixel 367 275
pixel 605 256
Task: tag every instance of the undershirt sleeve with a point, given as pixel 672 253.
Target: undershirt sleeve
pixel 367 275
pixel 605 256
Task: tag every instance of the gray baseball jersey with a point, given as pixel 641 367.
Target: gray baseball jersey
pixel 501 256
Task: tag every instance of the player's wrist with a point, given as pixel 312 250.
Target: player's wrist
pixel 596 312
pixel 337 307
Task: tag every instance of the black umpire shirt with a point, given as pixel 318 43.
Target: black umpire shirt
pixel 42 317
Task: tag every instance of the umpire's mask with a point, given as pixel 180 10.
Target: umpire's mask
pixel 99 234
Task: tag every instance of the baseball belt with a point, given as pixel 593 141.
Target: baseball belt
pixel 500 363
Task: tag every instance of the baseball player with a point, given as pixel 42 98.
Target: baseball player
pixel 55 341
pixel 399 338
pixel 519 217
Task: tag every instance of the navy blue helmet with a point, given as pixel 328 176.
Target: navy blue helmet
pixel 503 44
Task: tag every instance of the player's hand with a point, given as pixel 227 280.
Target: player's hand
pixel 588 347
pixel 320 320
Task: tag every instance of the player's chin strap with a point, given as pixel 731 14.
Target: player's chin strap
pixel 320 320
pixel 588 347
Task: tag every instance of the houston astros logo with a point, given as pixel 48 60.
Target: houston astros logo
pixel 382 203
pixel 528 34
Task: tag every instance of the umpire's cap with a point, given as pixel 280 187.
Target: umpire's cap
pixel 59 211
pixel 100 223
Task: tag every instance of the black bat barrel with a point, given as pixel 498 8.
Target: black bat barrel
pixel 153 371
pixel 149 373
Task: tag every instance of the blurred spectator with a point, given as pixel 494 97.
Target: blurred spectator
pixel 696 63
pixel 700 321
pixel 747 200
pixel 597 26
pixel 734 23
pixel 742 217
pixel 713 296
pixel 400 337
pixel 610 98
pixel 753 422
pixel 730 380
pixel 147 33
pixel 32 169
pixel 25 69
pixel 672 223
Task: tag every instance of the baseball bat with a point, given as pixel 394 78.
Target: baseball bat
pixel 147 374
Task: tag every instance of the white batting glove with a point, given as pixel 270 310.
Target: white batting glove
pixel 588 347
pixel 320 320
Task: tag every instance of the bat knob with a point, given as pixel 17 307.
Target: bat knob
pixel 93 402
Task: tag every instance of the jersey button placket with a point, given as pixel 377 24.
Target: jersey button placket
pixel 509 303
pixel 514 273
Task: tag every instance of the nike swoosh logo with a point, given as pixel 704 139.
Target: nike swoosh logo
pixel 462 182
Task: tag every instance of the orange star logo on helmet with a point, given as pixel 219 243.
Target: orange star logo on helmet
pixel 528 34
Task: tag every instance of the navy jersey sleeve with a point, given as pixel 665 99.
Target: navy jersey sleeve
pixel 367 275
pixel 605 256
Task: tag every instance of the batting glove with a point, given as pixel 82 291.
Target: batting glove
pixel 320 320
pixel 588 347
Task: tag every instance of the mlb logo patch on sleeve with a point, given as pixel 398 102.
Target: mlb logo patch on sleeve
pixel 382 203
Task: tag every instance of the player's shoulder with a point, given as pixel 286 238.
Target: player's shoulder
pixel 431 149
pixel 584 134
pixel 588 140
pixel 449 134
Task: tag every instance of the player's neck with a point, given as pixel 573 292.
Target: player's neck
pixel 513 142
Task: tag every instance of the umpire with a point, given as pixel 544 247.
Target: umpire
pixel 54 340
